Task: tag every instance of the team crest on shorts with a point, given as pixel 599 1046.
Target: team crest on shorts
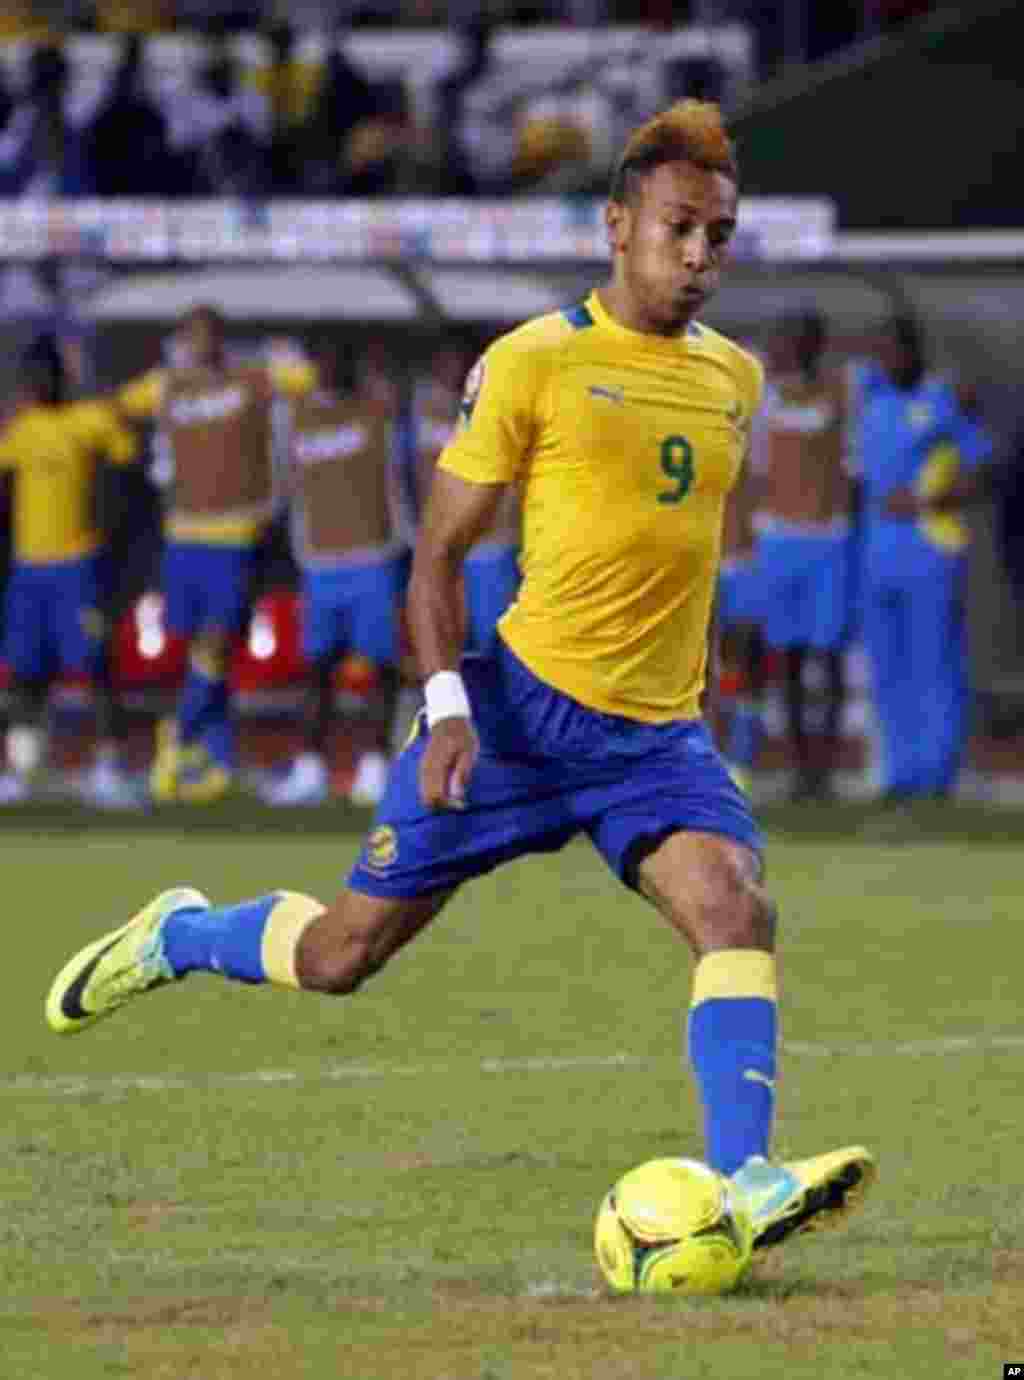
pixel 92 623
pixel 381 848
pixel 471 391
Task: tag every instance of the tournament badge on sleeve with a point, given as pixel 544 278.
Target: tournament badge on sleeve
pixel 471 391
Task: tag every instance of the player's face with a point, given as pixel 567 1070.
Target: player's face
pixel 203 339
pixel 671 243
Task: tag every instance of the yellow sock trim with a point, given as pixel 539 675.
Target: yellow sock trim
pixel 285 926
pixel 734 973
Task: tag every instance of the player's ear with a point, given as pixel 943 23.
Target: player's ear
pixel 617 218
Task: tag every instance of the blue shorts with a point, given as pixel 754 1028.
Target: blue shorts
pixel 739 594
pixel 549 769
pixel 206 586
pixel 352 608
pixel 491 581
pixel 54 618
pixel 804 582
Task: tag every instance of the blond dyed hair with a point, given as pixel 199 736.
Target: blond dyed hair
pixel 689 131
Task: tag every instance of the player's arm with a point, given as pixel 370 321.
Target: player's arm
pixel 498 421
pixel 110 433
pixel 142 398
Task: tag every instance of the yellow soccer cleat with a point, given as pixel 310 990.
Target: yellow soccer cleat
pixel 120 965
pixel 804 1195
pixel 163 774
pixel 201 781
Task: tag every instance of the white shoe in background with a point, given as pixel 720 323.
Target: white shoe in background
pixel 371 780
pixel 106 787
pixel 307 783
pixel 13 788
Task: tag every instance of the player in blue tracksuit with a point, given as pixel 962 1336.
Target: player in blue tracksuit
pixel 916 450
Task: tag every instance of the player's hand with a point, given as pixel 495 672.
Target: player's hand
pixel 447 764
pixel 903 503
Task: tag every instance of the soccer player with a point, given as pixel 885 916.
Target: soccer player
pixel 216 418
pixel 55 600
pixel 343 477
pixel 803 522
pixel 917 456
pixel 623 419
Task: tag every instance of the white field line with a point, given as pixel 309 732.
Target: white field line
pixel 77 1086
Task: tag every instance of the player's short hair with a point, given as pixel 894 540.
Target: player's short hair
pixel 42 370
pixel 689 131
pixel 807 326
pixel 206 311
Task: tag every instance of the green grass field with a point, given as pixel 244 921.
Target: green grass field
pixel 229 1182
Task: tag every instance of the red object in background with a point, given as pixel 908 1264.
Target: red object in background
pixel 270 657
pixel 145 655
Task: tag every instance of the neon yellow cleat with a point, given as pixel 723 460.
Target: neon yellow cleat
pixel 201 781
pixel 804 1195
pixel 163 774
pixel 120 965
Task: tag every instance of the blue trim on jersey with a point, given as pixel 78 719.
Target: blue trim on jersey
pixel 579 316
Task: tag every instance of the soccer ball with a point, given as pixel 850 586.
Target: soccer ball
pixel 673 1226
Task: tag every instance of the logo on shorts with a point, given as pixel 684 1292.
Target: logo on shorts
pixel 471 391
pixel 381 848
pixel 92 623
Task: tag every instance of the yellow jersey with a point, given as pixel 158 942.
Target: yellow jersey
pixel 624 447
pixel 55 453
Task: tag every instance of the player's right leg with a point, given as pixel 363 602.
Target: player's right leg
pixel 284 938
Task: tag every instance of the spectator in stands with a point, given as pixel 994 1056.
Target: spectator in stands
pixel 345 104
pixel 128 16
pixel 127 142
pixel 42 150
pixel 290 85
pixel 24 21
pixel 917 455
pixel 218 130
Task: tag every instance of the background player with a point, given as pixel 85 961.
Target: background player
pixel 624 421
pixel 915 455
pixel 739 612
pixel 343 479
pixel 490 575
pixel 55 595
pixel 803 521
pixel 216 420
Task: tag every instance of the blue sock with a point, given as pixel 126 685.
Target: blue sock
pixel 743 740
pixel 732 1035
pixel 219 739
pixel 228 939
pixel 200 704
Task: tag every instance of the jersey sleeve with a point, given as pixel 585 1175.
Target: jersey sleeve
pixel 144 396
pixel 293 378
pixel 499 414
pixel 10 451
pixel 108 433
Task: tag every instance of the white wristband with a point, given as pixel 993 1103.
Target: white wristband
pixel 446 697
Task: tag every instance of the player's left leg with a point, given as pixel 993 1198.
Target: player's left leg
pixel 286 938
pixel 708 887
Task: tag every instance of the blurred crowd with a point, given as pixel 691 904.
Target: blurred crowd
pixel 249 100
pixel 285 483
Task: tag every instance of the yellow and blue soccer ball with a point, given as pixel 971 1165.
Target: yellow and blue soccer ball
pixel 673 1226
